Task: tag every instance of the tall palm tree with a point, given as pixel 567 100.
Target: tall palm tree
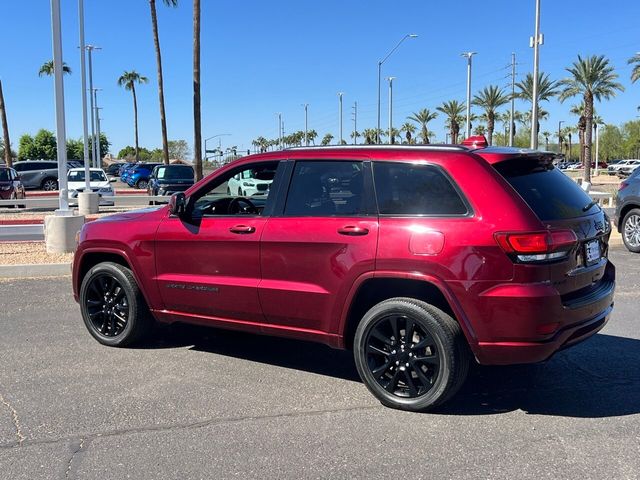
pixel 422 118
pixel 47 68
pixel 490 99
pixel 453 110
pixel 128 80
pixel 197 117
pixel 5 130
pixel 156 42
pixel 593 78
pixel 578 110
pixel 635 73
pixel 409 129
pixel 312 135
pixel 369 135
pixel 326 140
pixel 546 136
pixel 547 89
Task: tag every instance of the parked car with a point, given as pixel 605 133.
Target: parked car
pixel 248 183
pixel 125 169
pixel 11 187
pixel 628 168
pixel 113 170
pixel 419 259
pixel 168 179
pixel 42 174
pixel 627 215
pixel 98 182
pixel 613 168
pixel 139 175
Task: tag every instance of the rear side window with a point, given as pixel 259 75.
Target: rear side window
pixel 415 189
pixel 551 194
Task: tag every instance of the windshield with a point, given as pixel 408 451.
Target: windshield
pixel 78 176
pixel 551 194
pixel 174 173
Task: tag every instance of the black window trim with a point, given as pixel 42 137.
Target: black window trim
pixel 469 214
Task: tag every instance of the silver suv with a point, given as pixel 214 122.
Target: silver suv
pixel 41 174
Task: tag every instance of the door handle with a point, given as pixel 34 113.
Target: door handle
pixel 242 229
pixel 353 231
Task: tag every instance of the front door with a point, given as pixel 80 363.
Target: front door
pixel 208 260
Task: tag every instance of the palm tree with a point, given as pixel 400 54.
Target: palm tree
pixel 453 110
pixel 409 129
pixel 547 88
pixel 490 99
pixel 197 116
pixel 326 140
pixel 5 130
pixel 47 68
pixel 546 136
pixel 635 73
pixel 312 135
pixel 355 135
pixel 128 80
pixel 423 117
pixel 156 42
pixel 593 78
pixel 369 136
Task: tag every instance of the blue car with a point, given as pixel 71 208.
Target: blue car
pixel 139 175
pixel 125 170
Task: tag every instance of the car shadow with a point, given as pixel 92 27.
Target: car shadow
pixel 598 378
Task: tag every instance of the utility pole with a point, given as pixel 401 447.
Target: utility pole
pixel 513 98
pixel 96 138
pixel 534 42
pixel 355 122
pixel 340 94
pixel 391 139
pixel 83 74
pixel 306 125
pixel 98 134
pixel 90 49
pixel 280 130
pixel 468 56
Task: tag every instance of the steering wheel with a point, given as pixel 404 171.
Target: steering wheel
pixel 234 206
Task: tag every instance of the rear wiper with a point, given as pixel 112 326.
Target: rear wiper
pixel 589 205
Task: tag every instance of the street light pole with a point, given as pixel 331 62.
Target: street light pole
pixel 306 124
pixel 90 49
pixel 207 139
pixel 409 35
pixel 83 79
pixel 391 139
pixel 340 94
pixel 96 140
pixel 279 130
pixel 513 98
pixel 535 42
pixel 355 123
pixel 468 56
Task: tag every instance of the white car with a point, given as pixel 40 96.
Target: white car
pixel 98 182
pixel 615 168
pixel 245 184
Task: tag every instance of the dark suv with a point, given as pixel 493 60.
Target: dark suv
pixel 627 216
pixel 168 179
pixel 419 259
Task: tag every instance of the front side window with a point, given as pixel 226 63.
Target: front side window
pixel 329 188
pixel 415 189
pixel 245 192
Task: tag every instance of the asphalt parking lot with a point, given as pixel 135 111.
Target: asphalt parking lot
pixel 200 403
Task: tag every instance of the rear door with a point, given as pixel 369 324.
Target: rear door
pixel 324 237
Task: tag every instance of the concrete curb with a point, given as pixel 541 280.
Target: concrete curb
pixel 35 270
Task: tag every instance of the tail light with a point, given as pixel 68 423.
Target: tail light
pixel 536 247
pixel 623 185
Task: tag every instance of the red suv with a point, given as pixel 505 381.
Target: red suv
pixel 420 259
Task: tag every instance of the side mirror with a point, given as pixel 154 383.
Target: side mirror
pixel 177 204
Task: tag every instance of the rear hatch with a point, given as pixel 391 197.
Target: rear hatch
pixel 578 270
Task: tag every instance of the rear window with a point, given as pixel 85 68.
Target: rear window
pixel 174 173
pixel 551 194
pixel 415 189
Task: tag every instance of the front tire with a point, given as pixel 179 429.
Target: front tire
pixel 631 230
pixel 49 185
pixel 410 355
pixel 113 308
pixel 141 185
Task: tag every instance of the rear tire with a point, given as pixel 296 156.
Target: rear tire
pixel 410 355
pixel 49 184
pixel 631 230
pixel 113 308
pixel 141 184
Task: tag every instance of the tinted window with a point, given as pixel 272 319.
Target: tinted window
pixel 174 173
pixel 326 188
pixel 94 176
pixel 414 189
pixel 550 193
pixel 4 175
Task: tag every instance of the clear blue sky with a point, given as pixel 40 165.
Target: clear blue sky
pixel 259 58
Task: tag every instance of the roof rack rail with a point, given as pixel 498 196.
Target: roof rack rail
pixel 383 147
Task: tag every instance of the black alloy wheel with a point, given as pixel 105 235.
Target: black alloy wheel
pixel 113 308
pixel 410 355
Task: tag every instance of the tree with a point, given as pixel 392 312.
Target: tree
pixel 422 118
pixel 409 129
pixel 312 135
pixel 490 99
pixel 197 117
pixel 593 78
pixel 75 149
pixel 453 110
pixel 635 73
pixel 179 149
pixel 156 43
pixel 394 133
pixel 40 147
pixel 611 143
pixel 547 88
pixel 104 145
pixel 128 80
pixel 326 140
pixel 546 136
pixel 369 136
pixel 8 160
pixel 47 69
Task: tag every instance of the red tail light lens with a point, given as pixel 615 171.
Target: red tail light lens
pixel 538 246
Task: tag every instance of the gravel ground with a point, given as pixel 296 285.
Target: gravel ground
pixel 23 253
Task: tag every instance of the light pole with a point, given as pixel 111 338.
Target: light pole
pixel 355 123
pixel 279 130
pixel 340 94
pixel 83 75
pixel 468 56
pixel 96 138
pixel 409 35
pixel 306 124
pixel 513 98
pixel 560 137
pixel 91 48
pixel 207 139
pixel 535 41
pixel 391 139
pixel 597 132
